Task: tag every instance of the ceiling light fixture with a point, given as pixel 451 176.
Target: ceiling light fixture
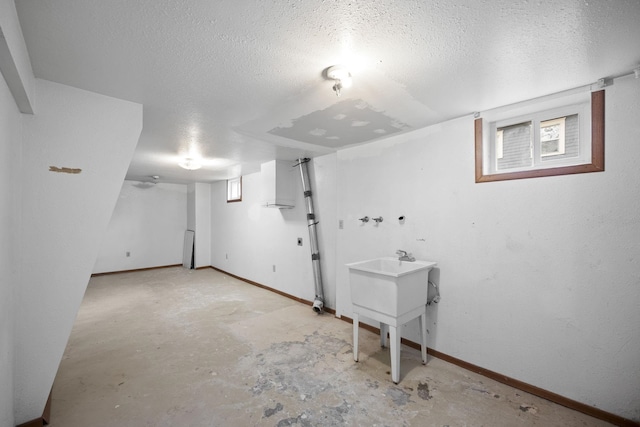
pixel 341 77
pixel 190 164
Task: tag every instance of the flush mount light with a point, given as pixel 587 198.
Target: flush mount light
pixel 190 164
pixel 341 77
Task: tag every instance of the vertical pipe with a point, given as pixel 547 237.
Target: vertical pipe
pixel 318 303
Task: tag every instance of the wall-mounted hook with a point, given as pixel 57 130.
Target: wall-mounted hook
pixel 364 219
pixel 377 220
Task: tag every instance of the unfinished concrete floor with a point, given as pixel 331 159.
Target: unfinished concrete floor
pixel 173 347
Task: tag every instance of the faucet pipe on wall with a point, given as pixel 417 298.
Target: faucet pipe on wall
pixel 318 303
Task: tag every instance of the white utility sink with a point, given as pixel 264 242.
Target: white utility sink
pixel 392 292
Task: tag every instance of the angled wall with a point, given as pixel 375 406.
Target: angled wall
pixel 14 58
pixel 76 151
pixel 10 140
pixel 16 96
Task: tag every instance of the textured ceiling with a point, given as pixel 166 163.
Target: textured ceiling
pixel 240 82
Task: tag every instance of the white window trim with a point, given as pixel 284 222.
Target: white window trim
pixel 499 144
pixel 536 119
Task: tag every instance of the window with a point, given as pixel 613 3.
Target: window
pixel 552 136
pixel 234 190
pixel 566 137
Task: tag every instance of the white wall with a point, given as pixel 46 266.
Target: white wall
pixel 64 217
pixel 10 141
pixel 248 239
pixel 191 207
pixel 202 214
pixel 149 222
pixel 539 277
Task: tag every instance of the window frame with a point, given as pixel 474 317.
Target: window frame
pixel 231 182
pixel 499 144
pixel 596 163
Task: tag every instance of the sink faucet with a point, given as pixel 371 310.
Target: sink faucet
pixel 404 256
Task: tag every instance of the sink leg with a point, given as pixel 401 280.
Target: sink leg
pixel 423 335
pixel 394 333
pixel 383 334
pixel 355 336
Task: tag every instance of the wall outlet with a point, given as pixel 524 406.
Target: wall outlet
pixel 274 268
pixel 128 254
pixel 341 224
pixel 226 256
pixel 299 241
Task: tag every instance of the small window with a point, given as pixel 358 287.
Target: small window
pixel 234 190
pixel 564 139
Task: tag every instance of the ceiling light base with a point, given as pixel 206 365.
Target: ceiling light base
pixel 190 164
pixel 338 72
pixel 342 77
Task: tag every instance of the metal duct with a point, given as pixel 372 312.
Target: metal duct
pixel 318 303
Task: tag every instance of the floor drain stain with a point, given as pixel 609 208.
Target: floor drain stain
pixel 270 411
pixel 528 408
pixel 423 391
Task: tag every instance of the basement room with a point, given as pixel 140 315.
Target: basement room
pixel 319 213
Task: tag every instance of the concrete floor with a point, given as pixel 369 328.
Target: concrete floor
pixel 173 347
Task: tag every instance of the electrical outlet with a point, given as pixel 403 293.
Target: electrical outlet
pixel 274 268
pixel 341 224
pixel 299 241
pixel 226 256
pixel 128 254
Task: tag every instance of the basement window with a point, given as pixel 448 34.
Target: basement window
pixel 234 190
pixel 564 135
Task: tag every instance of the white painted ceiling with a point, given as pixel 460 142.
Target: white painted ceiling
pixel 241 82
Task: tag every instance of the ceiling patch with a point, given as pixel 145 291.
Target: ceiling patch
pixel 317 132
pixel 364 124
pixel 64 170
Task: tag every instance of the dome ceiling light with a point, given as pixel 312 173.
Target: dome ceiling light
pixel 190 164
